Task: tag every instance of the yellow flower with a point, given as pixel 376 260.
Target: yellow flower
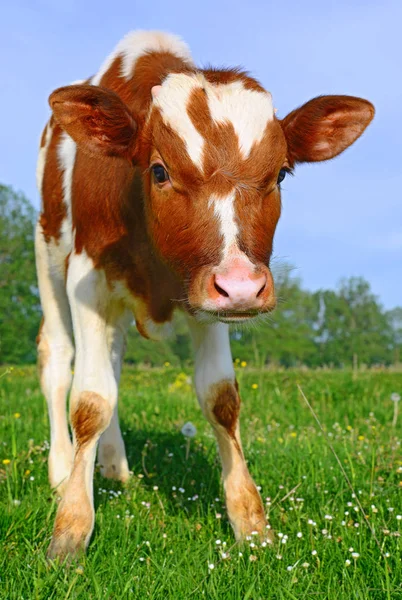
pixel 360 438
pixel 167 364
pixel 6 461
pixel 243 363
pixel 349 427
pixel 27 472
pixel 293 434
pixel 254 386
pixel 17 415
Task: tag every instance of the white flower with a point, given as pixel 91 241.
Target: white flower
pixel 355 555
pixel 211 566
pixel 347 562
pixel 351 549
pixel 328 517
pixel 314 552
pixel 305 565
pixel 218 542
pixel 155 488
pixel 398 517
pixel 289 568
pixel 395 397
pixel 240 553
pixel 189 430
pixel 299 534
pixel 224 555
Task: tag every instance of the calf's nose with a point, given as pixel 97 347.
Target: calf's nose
pixel 240 288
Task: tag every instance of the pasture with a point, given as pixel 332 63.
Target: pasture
pixel 165 534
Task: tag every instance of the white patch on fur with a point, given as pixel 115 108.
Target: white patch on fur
pixel 56 351
pixel 172 101
pixel 248 110
pixel 225 213
pixel 213 357
pixel 66 153
pixel 137 43
pixel 40 165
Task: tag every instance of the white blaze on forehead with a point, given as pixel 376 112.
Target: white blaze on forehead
pixel 172 100
pixel 249 111
pixel 225 213
pixel 138 43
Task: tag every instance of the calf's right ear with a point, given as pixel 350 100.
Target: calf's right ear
pixel 96 118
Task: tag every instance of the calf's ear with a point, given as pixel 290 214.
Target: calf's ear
pixel 96 118
pixel 325 126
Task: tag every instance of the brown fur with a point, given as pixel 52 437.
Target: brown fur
pixel 53 207
pixel 225 402
pixel 90 417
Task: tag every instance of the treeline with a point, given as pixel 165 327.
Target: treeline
pixel 338 328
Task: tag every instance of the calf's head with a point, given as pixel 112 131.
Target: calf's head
pixel 212 156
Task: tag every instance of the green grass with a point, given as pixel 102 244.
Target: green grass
pixel 158 543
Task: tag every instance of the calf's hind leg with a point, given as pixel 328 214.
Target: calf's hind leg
pixel 218 395
pixel 112 454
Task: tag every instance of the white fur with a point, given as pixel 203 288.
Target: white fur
pixel 137 43
pixel 225 213
pixel 172 100
pixel 213 357
pixel 66 153
pixel 248 110
pixel 56 351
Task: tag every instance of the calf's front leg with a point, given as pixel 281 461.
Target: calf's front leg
pixel 92 403
pixel 219 399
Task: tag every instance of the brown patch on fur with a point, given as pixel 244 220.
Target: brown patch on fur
pixel 43 136
pixel 225 403
pixel 53 206
pixel 90 417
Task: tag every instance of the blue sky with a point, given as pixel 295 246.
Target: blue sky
pixel 340 218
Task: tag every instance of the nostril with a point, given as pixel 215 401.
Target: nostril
pixel 220 290
pixel 261 290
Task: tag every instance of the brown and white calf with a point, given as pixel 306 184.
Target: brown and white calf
pixel 161 191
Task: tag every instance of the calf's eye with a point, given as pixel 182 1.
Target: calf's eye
pixel 160 174
pixel 282 175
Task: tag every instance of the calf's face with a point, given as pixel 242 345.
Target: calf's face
pixel 213 155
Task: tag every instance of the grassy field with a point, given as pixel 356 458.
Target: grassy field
pixel 166 535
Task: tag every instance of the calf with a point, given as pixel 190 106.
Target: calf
pixel 160 187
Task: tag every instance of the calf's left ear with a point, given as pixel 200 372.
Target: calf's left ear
pixel 325 126
pixel 96 118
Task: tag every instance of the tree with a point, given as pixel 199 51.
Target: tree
pixel 19 299
pixel 354 327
